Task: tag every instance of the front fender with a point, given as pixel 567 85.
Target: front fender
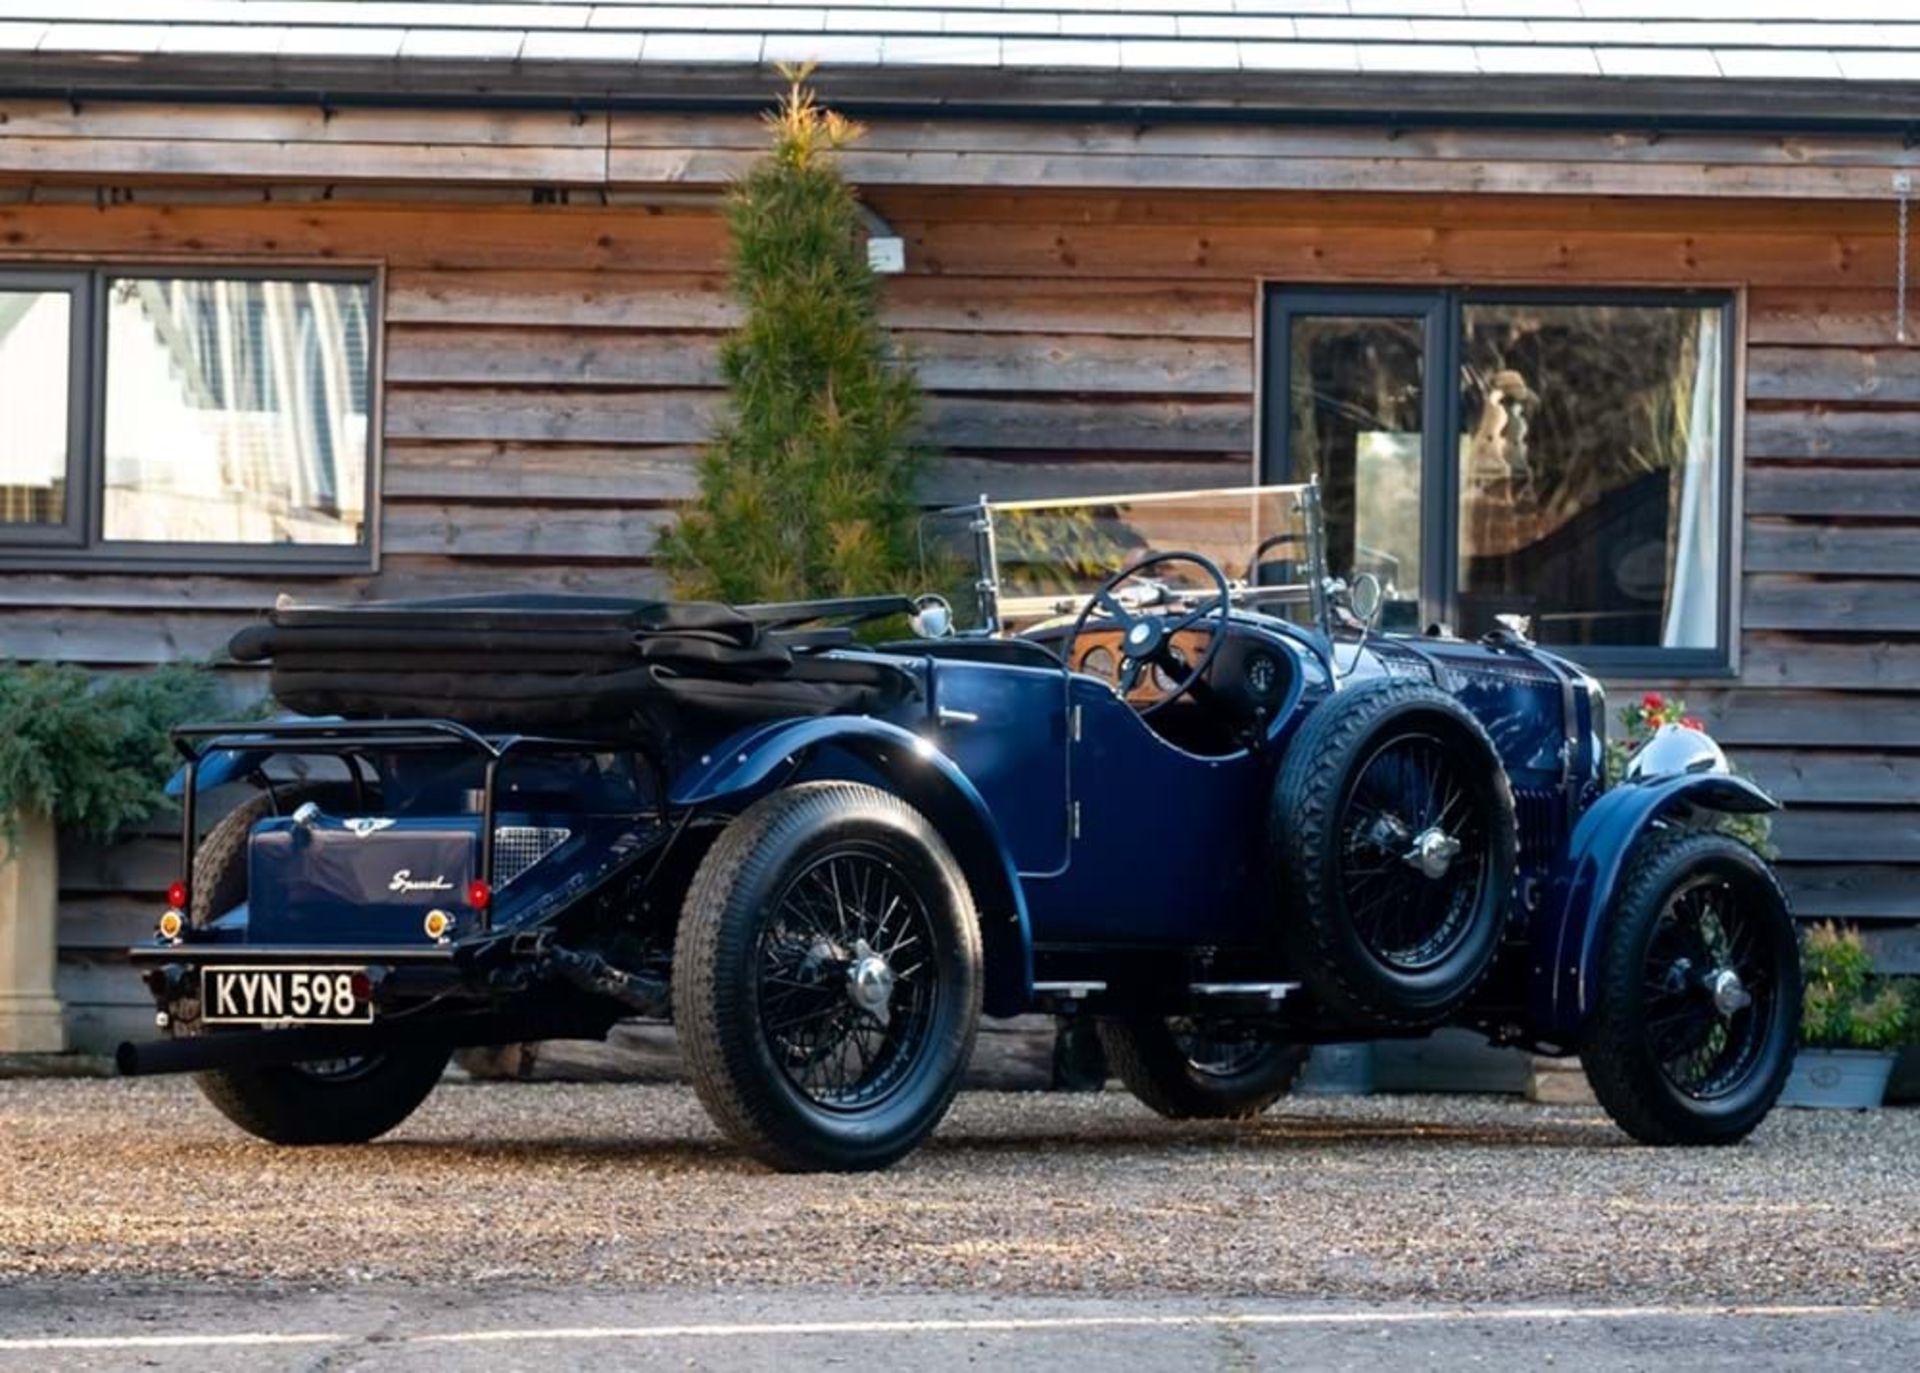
pixel 921 774
pixel 1577 916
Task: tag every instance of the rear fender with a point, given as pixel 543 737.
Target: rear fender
pixel 746 765
pixel 1577 915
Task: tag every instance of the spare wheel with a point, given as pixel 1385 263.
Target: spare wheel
pixel 1392 835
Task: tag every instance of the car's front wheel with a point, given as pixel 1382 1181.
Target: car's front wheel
pixel 1189 1068
pixel 826 978
pixel 1698 1001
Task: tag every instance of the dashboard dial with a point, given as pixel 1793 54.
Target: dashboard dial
pixel 1098 661
pixel 1263 676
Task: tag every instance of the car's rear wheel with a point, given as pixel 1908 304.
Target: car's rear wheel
pixel 1698 1000
pixel 336 1101
pixel 1393 829
pixel 1197 1068
pixel 826 979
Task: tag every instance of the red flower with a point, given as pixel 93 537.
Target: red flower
pixel 1692 722
pixel 1652 703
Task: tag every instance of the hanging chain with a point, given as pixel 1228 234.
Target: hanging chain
pixel 1903 186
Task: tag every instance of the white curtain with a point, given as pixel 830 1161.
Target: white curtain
pixel 1693 598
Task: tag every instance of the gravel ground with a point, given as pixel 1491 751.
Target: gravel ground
pixel 1385 1198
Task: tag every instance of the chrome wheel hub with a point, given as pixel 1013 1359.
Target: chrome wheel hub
pixel 869 981
pixel 1729 993
pixel 1432 852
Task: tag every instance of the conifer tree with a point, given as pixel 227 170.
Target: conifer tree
pixel 806 485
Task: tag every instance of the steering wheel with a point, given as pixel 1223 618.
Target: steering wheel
pixel 1146 639
pixel 1267 545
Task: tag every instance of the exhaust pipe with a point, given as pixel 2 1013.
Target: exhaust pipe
pixel 242 1049
pixel 300 1044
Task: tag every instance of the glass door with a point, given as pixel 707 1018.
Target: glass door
pixel 1352 400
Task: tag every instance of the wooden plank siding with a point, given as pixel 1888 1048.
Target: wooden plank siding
pixel 560 148
pixel 550 370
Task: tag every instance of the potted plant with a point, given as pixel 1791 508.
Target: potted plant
pixel 1853 1026
pixel 75 753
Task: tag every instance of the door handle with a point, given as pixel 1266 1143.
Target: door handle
pixel 948 716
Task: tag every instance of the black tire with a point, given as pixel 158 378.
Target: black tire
pixel 1335 920
pixel 1694 897
pixel 348 1102
pixel 763 985
pixel 1175 1067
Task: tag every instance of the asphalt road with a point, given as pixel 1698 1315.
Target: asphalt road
pixel 516 1328
pixel 552 1226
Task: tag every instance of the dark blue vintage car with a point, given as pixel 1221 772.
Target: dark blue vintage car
pixel 1192 795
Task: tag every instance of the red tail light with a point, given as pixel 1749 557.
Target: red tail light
pixel 176 895
pixel 479 894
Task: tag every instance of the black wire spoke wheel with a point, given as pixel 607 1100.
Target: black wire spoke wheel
pixel 1696 993
pixel 1216 1048
pixel 1709 990
pixel 1192 1067
pixel 1413 858
pixel 827 978
pixel 345 1100
pixel 1393 847
pixel 847 994
pixel 339 1069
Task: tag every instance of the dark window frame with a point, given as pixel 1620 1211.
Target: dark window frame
pixel 71 532
pixel 81 545
pixel 1439 471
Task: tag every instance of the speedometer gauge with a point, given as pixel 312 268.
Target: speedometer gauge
pixel 1263 676
pixel 1098 661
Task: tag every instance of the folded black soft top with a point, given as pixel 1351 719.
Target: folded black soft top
pixel 519 610
pixel 544 660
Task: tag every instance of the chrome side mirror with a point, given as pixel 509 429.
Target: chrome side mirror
pixel 1365 596
pixel 932 617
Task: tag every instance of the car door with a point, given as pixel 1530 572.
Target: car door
pixel 1166 843
pixel 1006 727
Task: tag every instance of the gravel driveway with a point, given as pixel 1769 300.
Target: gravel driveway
pixel 1462 1199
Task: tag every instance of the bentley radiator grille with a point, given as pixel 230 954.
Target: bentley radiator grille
pixel 518 847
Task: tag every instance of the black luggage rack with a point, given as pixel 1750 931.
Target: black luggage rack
pixel 349 740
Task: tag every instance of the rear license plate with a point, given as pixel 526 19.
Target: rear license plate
pixel 280 996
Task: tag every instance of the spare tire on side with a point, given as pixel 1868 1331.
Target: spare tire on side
pixel 1393 841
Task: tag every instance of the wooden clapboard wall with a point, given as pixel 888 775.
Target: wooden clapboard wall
pixel 549 373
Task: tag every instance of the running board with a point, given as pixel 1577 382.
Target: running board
pixel 1272 993
pixel 1066 994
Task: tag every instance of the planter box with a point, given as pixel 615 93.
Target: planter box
pixel 30 1018
pixel 1337 1070
pixel 1838 1079
pixel 1448 1060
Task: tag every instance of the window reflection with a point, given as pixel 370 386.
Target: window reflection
pixel 1357 396
pixel 1590 491
pixel 236 411
pixel 35 334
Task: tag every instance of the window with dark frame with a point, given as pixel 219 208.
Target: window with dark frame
pixel 1560 456
pixel 186 418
